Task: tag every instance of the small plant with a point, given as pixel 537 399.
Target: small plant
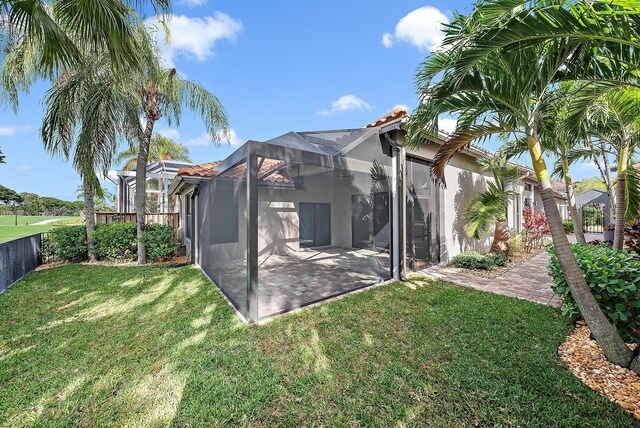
pixel 568 226
pixel 610 227
pixel 536 229
pixel 475 260
pixel 69 243
pixel 632 239
pixel 614 279
pixel 515 242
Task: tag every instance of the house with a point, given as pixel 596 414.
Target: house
pixel 307 216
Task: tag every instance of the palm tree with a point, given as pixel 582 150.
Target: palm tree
pixel 161 148
pixel 610 114
pixel 62 31
pixel 489 207
pixel 494 95
pixel 84 115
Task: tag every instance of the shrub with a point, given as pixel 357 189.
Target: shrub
pixel 159 241
pixel 115 241
pixel 568 226
pixel 515 242
pixel 536 229
pixel 475 260
pixel 614 279
pixel 69 243
pixel 632 239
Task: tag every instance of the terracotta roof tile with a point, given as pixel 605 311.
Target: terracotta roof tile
pixel 201 170
pixel 271 171
pixel 395 114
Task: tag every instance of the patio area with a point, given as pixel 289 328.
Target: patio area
pixel 299 278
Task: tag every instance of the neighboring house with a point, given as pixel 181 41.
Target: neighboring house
pixel 307 216
pixel 159 177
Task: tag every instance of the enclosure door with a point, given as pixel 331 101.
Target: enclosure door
pixel 418 232
pixel 315 224
pixel 419 225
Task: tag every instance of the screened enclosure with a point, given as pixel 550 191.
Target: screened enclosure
pixel 308 216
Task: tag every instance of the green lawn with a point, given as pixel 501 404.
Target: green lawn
pixel 153 346
pixel 9 231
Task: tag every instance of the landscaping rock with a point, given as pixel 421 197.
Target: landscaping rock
pixel 587 362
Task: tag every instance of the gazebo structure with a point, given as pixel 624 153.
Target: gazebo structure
pixel 162 173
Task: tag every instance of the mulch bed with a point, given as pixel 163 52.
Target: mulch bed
pixel 174 261
pixel 515 259
pixel 588 363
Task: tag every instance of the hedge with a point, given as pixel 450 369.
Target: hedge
pixel 475 260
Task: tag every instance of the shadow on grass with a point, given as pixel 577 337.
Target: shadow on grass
pixel 133 346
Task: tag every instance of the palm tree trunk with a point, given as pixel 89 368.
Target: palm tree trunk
pixel 90 219
pixel 152 114
pixel 500 242
pixel 613 346
pixel 621 190
pixel 571 200
pixel 606 176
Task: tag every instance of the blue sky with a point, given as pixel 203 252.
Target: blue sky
pixel 276 66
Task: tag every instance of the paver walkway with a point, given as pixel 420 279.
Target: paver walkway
pixel 528 281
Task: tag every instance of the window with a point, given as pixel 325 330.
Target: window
pixel 315 224
pixel 188 207
pixel 527 187
pixel 224 229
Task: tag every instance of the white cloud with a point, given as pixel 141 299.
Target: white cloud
pixel 421 27
pixel 13 130
pixel 193 3
pixel 172 133
pixel 204 139
pixel 194 37
pixel 346 103
pixel 447 125
pixel 23 168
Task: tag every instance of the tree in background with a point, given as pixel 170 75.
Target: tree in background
pixel 489 207
pixel 161 148
pixel 480 78
pixel 590 183
pixel 12 198
pixel 104 203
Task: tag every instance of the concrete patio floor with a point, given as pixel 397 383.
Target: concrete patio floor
pixel 295 279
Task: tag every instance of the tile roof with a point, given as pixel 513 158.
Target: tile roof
pixel 397 113
pixel 201 170
pixel 271 171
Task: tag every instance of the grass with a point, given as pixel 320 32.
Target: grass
pixel 153 346
pixel 26 226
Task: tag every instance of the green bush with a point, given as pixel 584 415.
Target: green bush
pixel 614 279
pixel 69 243
pixel 159 241
pixel 568 226
pixel 515 242
pixel 499 259
pixel 472 260
pixel 115 241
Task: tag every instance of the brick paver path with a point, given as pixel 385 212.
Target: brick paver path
pixel 528 281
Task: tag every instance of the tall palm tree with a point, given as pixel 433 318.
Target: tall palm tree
pixel 161 148
pixel 489 207
pixel 84 115
pixel 494 94
pixel 160 92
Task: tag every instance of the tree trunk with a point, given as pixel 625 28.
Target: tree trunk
pixel 607 181
pixel 576 218
pixel 90 220
pixel 500 242
pixel 613 346
pixel 621 190
pixel 152 114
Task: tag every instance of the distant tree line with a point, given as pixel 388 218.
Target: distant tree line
pixel 25 203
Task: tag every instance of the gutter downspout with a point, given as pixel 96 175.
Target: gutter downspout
pixel 398 208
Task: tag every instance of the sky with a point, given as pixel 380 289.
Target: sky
pixel 276 66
